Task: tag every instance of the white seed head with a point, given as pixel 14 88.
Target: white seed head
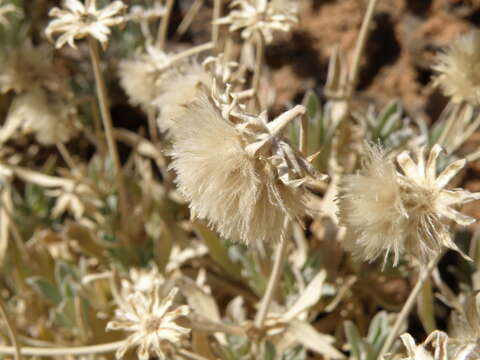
pixel 151 323
pixel 27 67
pixel 178 88
pixel 50 120
pixel 390 211
pixel 240 177
pixel 458 69
pixel 77 21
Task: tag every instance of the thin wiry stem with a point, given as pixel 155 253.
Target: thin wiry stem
pixel 274 279
pixel 62 149
pixel 11 331
pixel 360 46
pixel 64 351
pixel 217 9
pixel 259 58
pixel 407 307
pixel 163 28
pixel 188 18
pixel 107 124
pixel 451 121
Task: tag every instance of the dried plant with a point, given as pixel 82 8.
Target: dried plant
pixel 152 324
pixel 7 9
pixel 243 178
pixel 77 21
pixel 457 68
pixel 264 16
pixel 389 211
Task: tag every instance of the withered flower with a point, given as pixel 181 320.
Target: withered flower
pixel 153 326
pixel 77 21
pixel 238 172
pixel 388 211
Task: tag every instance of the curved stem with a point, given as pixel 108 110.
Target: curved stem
pixel 274 279
pixel 11 332
pixel 107 124
pixel 163 29
pixel 360 45
pixel 64 351
pixel 407 307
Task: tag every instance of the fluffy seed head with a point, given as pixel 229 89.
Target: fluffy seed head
pixel 178 88
pixel 50 120
pixel 27 67
pixel 458 69
pixel 386 210
pixel 153 326
pixel 238 176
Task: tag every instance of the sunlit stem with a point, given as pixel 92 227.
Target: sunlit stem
pixel 259 59
pixel 360 46
pixel 451 121
pixel 107 124
pixel 164 23
pixel 407 307
pixel 274 278
pixel 217 9
pixel 11 331
pixel 63 351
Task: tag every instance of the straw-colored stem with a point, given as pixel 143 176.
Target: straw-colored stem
pixel 360 46
pixel 451 121
pixel 191 51
pixel 63 351
pixel 164 23
pixel 189 355
pixel 62 149
pixel 217 10
pixel 466 134
pixel 274 279
pixel 107 124
pixel 259 59
pixel 304 134
pixel 188 18
pixel 407 307
pixel 152 125
pixel 11 331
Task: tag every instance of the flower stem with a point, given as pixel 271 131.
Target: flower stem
pixel 107 124
pixel 407 307
pixel 451 121
pixel 64 351
pixel 163 29
pixel 259 59
pixel 274 279
pixel 360 46
pixel 11 331
pixel 217 9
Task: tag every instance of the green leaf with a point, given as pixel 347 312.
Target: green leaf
pixel 45 289
pixel 218 250
pixel 270 353
pixel 354 339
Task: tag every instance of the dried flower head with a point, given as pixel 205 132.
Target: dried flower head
pixel 28 67
pixel 7 9
pixel 178 88
pixel 261 15
pixel 141 77
pixel 458 68
pixel 238 172
pixel 153 325
pixel 142 280
pixel 50 120
pixel 385 210
pixel 78 21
